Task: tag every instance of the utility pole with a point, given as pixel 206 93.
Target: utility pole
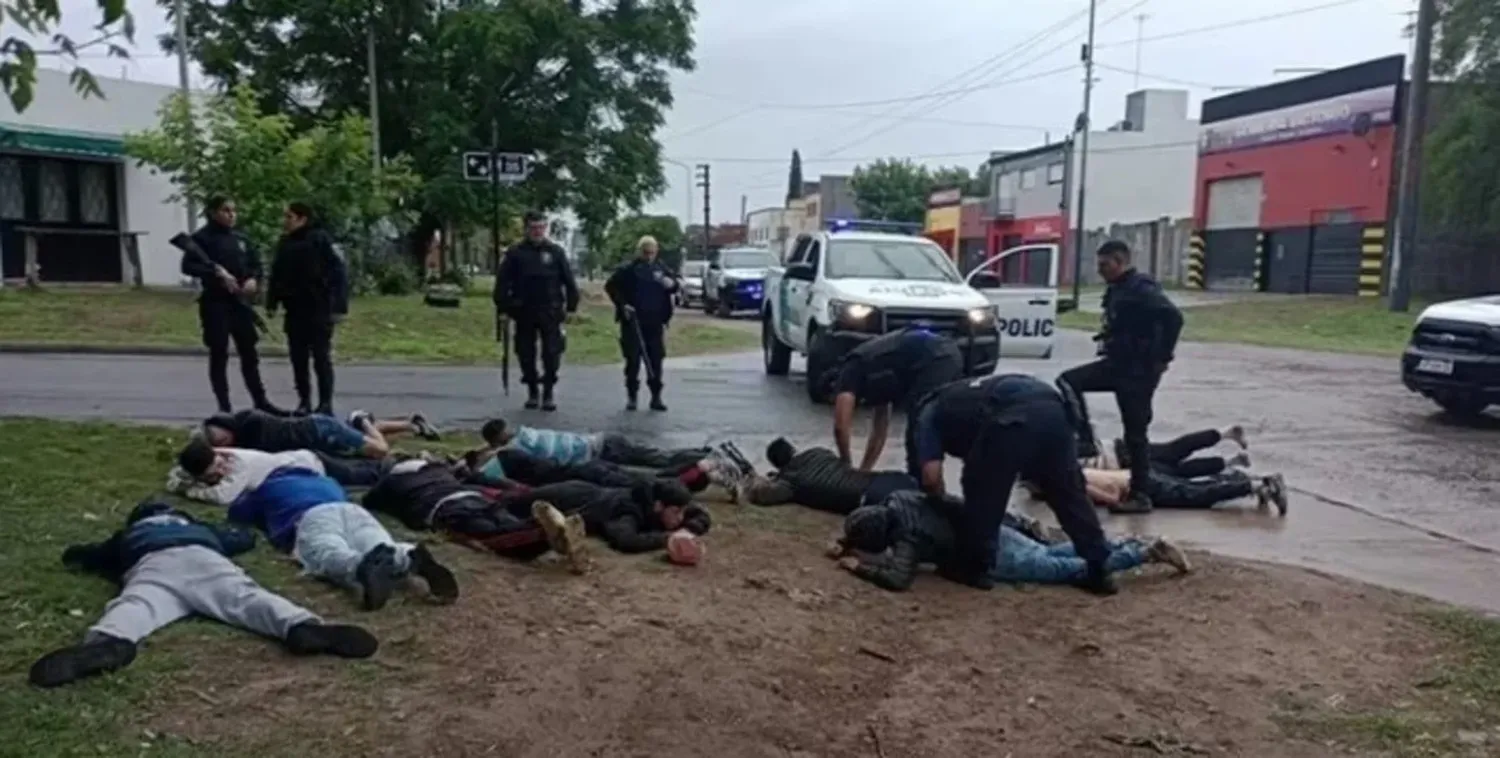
pixel 744 209
pixel 374 90
pixel 1413 132
pixel 1140 32
pixel 1082 126
pixel 185 87
pixel 704 182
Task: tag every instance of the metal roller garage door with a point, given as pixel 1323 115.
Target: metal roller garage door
pixel 1333 266
pixel 1234 203
pixel 1231 227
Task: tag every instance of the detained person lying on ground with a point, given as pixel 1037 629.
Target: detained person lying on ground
pixel 495 466
pixel 361 436
pixel 171 566
pixel 564 448
pixel 306 513
pixel 819 479
pixel 909 528
pixel 522 522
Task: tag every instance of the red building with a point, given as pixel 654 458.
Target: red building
pixel 1295 182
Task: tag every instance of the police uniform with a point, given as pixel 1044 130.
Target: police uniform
pixel 310 280
pixel 899 368
pixel 535 288
pixel 646 287
pixel 223 319
pixel 1004 427
pixel 1141 326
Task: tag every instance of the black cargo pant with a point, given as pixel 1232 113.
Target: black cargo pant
pixel 1033 442
pixel 355 472
pixel 642 339
pixel 1173 457
pixel 1134 389
pixel 531 330
pixel 619 450
pixel 309 337
pixel 222 321
pixel 1167 491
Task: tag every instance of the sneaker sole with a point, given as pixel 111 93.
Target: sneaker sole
pixel 72 664
pixel 440 581
pixel 564 534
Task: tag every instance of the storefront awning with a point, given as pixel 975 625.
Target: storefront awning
pixel 60 141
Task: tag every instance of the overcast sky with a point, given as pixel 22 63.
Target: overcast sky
pixel 774 75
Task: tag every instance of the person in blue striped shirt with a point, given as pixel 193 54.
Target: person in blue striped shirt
pixel 571 448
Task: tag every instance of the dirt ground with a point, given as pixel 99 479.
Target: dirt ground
pixel 767 649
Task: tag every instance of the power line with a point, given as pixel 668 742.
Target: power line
pixel 960 154
pixel 1160 78
pixel 843 109
pixel 1229 24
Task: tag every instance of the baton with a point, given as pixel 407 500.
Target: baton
pixel 502 334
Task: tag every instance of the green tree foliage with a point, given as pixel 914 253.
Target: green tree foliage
pixel 39 18
pixel 619 245
pixel 1462 187
pixel 263 163
pixel 583 86
pixel 893 189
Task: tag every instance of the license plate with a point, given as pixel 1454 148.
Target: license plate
pixel 1435 366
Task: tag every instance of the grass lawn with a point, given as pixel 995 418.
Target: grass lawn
pixel 378 328
pixel 525 641
pixel 1334 324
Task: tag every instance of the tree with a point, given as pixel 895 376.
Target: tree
pixel 952 176
pixel 1462 176
pixel 582 88
pixel 893 189
pixel 38 18
pixel 261 162
pixel 619 244
pixel 794 178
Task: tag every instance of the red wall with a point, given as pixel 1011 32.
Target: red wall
pixel 1302 179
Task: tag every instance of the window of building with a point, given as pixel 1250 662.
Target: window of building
pixel 1055 173
pixel 12 190
pixel 93 193
pixel 1028 178
pixel 1005 184
pixel 52 181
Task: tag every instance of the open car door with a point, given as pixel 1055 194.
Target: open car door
pixel 1027 308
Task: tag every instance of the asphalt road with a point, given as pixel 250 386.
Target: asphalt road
pixel 1385 488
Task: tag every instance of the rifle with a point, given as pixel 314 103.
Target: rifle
pixel 186 244
pixel 502 335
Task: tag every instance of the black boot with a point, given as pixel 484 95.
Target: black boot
pixel 656 403
pixel 342 640
pixel 631 395
pixel 548 404
pixel 304 408
pixel 92 658
pixel 377 576
pixel 531 398
pixel 440 581
pixel 264 405
pixel 224 405
pixel 1098 581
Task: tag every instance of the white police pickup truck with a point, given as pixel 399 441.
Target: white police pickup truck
pixel 840 288
pixel 1453 357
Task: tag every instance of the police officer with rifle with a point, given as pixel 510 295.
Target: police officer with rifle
pixel 534 287
pixel 230 272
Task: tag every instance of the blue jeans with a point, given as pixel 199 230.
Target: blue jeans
pixel 1020 559
pixel 338 438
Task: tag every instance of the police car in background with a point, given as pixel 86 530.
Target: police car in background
pixel 1453 357
pixel 735 280
pixel 843 286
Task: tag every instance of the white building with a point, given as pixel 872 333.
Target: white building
pixel 770 228
pixel 66 186
pixel 1141 170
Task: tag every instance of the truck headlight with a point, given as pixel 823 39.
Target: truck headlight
pixel 844 312
pixel 981 318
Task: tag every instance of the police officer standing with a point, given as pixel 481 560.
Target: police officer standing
pixel 233 271
pixel 641 291
pixel 1004 427
pixel 893 369
pixel 1141 327
pixel 535 288
pixel 308 277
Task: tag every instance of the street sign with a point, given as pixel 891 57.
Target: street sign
pixel 507 168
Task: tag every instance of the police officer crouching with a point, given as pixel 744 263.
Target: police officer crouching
pixel 641 291
pixel 309 279
pixel 893 369
pixel 229 278
pixel 1005 427
pixel 535 288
